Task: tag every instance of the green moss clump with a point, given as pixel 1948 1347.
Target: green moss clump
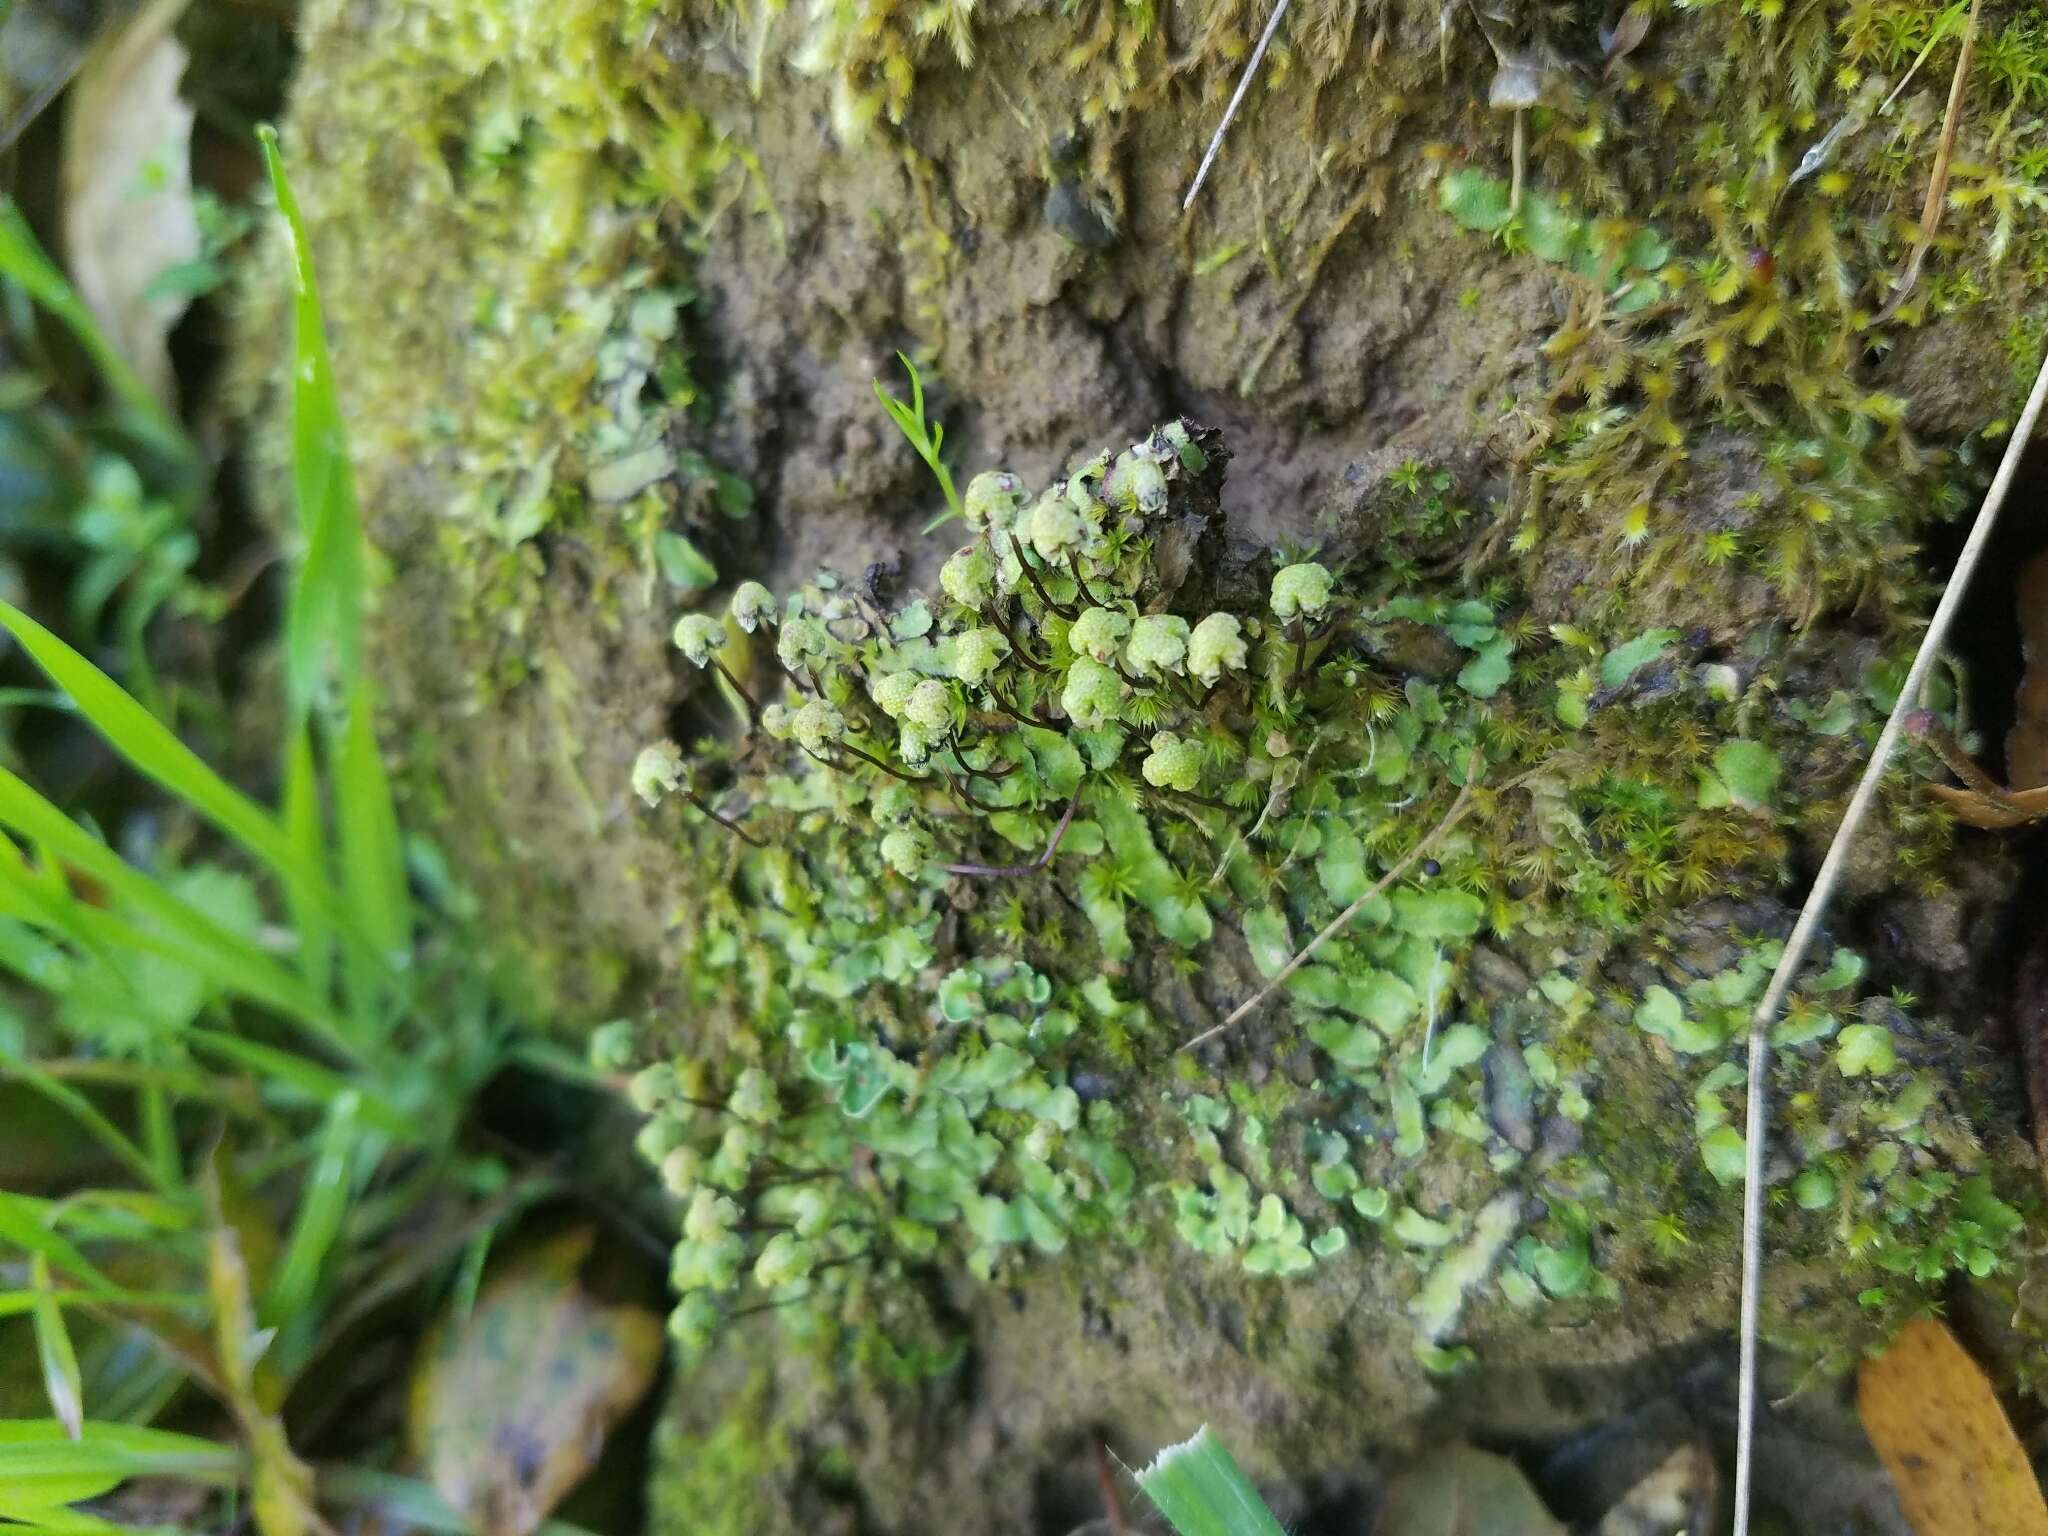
pixel 978 869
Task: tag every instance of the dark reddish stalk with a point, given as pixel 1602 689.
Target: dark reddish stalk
pixel 726 822
pixel 1019 716
pixel 1006 871
pixel 1080 581
pixel 893 772
pixel 965 795
pixel 1112 1500
pixel 1029 570
pixel 738 687
pixel 1017 646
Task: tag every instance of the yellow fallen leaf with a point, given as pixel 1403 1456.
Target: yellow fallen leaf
pixel 511 1404
pixel 1938 1428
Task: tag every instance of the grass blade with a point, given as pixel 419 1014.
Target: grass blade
pixel 16 1303
pixel 61 1381
pixel 926 437
pixel 22 1224
pixel 1202 1491
pixel 318 1223
pixel 81 1109
pixel 234 964
pixel 42 1468
pixel 304 825
pixel 323 625
pixel 308 1080
pixel 154 751
pixel 76 1522
pixel 372 853
pixel 22 258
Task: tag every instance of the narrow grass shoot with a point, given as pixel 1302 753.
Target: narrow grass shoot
pixel 925 437
pixel 23 260
pixel 372 855
pixel 1202 1491
pixel 324 622
pixel 150 747
pixel 61 1381
pixel 322 1203
pixel 324 648
pixel 42 1468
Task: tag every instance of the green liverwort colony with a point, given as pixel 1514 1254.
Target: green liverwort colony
pixel 974 870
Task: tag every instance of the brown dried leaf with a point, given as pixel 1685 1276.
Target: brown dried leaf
pixel 1938 1427
pixel 510 1406
pixel 127 172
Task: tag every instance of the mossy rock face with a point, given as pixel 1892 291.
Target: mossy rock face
pixel 1602 500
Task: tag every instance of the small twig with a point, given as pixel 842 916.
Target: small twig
pixel 1112 1500
pixel 1937 182
pixel 726 822
pixel 1338 923
pixel 1003 871
pixel 1244 84
pixel 1815 908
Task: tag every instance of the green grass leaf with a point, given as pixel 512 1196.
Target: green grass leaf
pixel 150 747
pixel 23 1223
pixel 372 852
pixel 42 1468
pixel 287 1075
pixel 22 259
pixel 61 1381
pixel 926 437
pixel 324 621
pixel 1202 1491
pixel 82 1109
pixel 322 1204
pixel 183 933
pixel 305 826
